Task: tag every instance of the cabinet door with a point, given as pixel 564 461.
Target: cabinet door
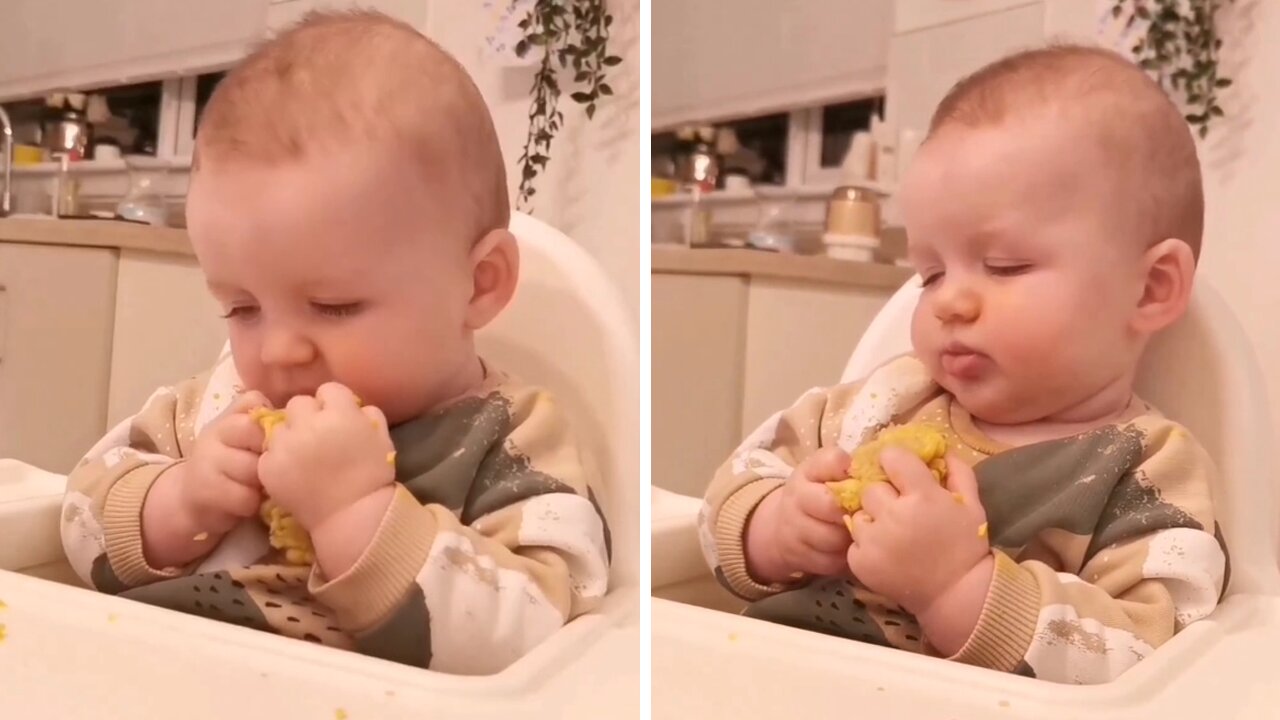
pixel 56 44
pixel 167 328
pixel 925 63
pixel 283 13
pixel 715 59
pixel 56 309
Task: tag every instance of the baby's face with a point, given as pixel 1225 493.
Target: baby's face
pixel 335 269
pixel 1031 273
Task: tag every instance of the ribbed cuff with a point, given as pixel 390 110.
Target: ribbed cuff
pixel 1008 620
pixel 376 584
pixel 122 528
pixel 731 526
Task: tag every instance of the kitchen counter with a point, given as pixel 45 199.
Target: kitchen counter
pixel 759 264
pixel 96 233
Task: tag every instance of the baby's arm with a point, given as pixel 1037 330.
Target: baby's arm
pixel 1159 566
pixel 471 595
pixel 102 508
pixel 739 550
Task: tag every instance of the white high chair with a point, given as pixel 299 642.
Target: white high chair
pixel 70 652
pixel 1202 373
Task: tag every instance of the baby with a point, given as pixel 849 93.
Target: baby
pixel 1055 214
pixel 349 210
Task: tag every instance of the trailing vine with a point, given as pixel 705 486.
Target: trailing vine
pixel 1180 49
pixel 573 35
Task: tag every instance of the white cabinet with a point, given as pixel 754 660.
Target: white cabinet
pixel 56 310
pixel 715 59
pixel 167 328
pixel 283 13
pixel 59 44
pixel 925 63
pixel 48 45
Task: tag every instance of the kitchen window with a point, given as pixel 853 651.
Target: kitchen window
pixel 801 148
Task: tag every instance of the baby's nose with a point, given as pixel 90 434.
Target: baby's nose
pixel 285 347
pixel 958 305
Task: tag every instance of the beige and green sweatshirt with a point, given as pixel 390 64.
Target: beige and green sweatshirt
pixel 493 541
pixel 1105 542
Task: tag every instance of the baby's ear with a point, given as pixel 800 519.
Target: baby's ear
pixel 495 270
pixel 1166 292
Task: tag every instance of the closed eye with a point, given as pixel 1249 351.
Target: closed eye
pixel 337 310
pixel 931 278
pixel 1008 270
pixel 241 312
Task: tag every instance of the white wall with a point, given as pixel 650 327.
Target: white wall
pixel 1241 161
pixel 592 187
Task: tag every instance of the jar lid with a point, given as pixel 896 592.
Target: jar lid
pixel 851 192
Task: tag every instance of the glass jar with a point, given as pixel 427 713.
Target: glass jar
pixel 145 200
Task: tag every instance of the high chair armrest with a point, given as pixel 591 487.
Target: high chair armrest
pixel 30 506
pixel 674 528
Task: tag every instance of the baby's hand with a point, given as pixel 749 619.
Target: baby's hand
pixel 194 503
pixel 913 540
pixel 799 528
pixel 328 454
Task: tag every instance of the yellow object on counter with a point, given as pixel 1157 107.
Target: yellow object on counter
pixel 24 155
pixel 925 441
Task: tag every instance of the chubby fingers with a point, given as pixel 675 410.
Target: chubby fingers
pixel 907 472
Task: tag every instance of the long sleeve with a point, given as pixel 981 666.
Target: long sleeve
pixel 468 579
pixel 102 509
pixel 842 416
pixel 1154 564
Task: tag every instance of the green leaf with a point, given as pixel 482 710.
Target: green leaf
pixel 1216 111
pixel 605 89
pixel 1115 11
pixel 522 48
pixel 1204 131
pixel 1143 13
pixel 591 111
pixel 582 97
pixel 581 76
pixel 612 61
pixel 1223 82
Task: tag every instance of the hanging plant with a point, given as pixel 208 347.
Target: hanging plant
pixel 573 35
pixel 1180 50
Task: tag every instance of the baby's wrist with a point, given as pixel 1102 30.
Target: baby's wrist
pixel 759 543
pixel 969 589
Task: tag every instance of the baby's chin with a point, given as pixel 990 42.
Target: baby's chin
pixel 995 405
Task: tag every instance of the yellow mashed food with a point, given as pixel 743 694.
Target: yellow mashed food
pixel 925 441
pixel 284 532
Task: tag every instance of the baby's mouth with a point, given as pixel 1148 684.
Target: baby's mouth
pixel 963 362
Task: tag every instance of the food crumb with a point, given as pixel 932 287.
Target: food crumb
pixel 391 458
pixel 982 530
pixel 391 693
pixel 112 617
pixel 733 637
pixel 201 537
pixel 1003 703
pixel 2 632
pixel 3 606
pixel 340 714
pixel 959 498
pixel 879 688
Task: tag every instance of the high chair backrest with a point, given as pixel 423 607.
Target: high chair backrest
pixel 567 330
pixel 1202 373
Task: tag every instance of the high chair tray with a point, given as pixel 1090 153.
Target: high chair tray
pixel 71 653
pixel 1218 668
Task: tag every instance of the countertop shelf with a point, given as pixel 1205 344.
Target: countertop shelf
pixel 96 233
pixel 681 260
